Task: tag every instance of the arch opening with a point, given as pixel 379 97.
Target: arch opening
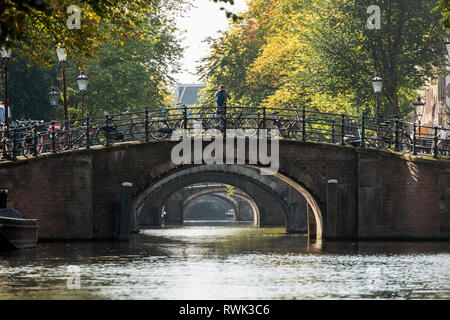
pixel 272 197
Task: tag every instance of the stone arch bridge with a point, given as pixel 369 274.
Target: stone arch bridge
pixel 329 191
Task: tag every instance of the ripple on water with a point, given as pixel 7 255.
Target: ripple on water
pixel 229 263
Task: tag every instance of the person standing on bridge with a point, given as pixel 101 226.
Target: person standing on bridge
pixel 221 100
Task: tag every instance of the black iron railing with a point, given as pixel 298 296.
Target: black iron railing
pixel 31 139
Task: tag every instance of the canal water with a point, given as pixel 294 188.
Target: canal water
pixel 227 261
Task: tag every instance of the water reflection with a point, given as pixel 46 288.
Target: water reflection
pixel 228 262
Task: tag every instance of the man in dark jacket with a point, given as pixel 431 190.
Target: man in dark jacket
pixel 221 100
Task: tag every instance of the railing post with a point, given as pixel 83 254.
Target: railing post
pixel 436 140
pixel 35 141
pixel 53 137
pixel 303 123
pixel 333 131
pixel 397 133
pixel 14 150
pixel 224 117
pixel 185 118
pixel 363 130
pixel 414 139
pixel 146 123
pixel 264 118
pixel 342 129
pixel 88 131
pixel 107 130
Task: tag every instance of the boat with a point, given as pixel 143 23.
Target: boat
pixel 16 232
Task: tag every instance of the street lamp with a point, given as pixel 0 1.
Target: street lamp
pixel 6 55
pixel 53 97
pixel 82 81
pixel 377 83
pixel 62 58
pixel 419 106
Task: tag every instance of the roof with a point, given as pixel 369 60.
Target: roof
pixel 188 94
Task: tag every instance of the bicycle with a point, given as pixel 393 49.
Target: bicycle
pixel 38 143
pixel 32 143
pixel 110 133
pixel 244 125
pixel 289 128
pixel 385 137
pixel 444 143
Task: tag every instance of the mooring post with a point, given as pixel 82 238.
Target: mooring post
pixel 330 229
pixel 125 212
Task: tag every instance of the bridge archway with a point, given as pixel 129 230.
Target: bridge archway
pixel 269 193
pixel 220 191
pixel 196 203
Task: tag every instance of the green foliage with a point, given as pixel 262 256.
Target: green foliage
pixel 444 6
pixel 130 74
pixel 406 51
pixel 290 52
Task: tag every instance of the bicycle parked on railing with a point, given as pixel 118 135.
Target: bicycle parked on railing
pixel 236 121
pixel 386 137
pixel 289 128
pixel 443 145
pixel 109 133
pixel 41 142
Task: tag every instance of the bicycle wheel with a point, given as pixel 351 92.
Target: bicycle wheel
pixel 248 127
pixel 106 135
pixel 159 130
pixel 405 143
pixel 384 139
pixel 27 147
pixel 80 141
pixel 444 148
pixel 137 131
pixel 7 150
pixel 63 141
pixel 272 128
pixel 296 130
pixel 370 139
pixel 42 144
pixel 214 126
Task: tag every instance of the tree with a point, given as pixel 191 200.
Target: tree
pixel 233 53
pixel 406 51
pixel 321 52
pixel 444 5
pixel 129 74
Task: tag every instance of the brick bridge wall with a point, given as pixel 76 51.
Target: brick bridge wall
pixel 76 195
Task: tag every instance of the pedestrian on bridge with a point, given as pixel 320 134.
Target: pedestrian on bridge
pixel 221 100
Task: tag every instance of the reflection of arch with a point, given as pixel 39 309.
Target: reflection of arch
pixel 266 191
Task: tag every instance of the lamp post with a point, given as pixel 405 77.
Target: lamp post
pixel 6 55
pixel 419 106
pixel 377 84
pixel 82 81
pixel 62 58
pixel 53 97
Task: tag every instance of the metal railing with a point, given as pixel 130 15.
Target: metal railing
pixel 31 139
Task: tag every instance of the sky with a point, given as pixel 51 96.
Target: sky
pixel 200 22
